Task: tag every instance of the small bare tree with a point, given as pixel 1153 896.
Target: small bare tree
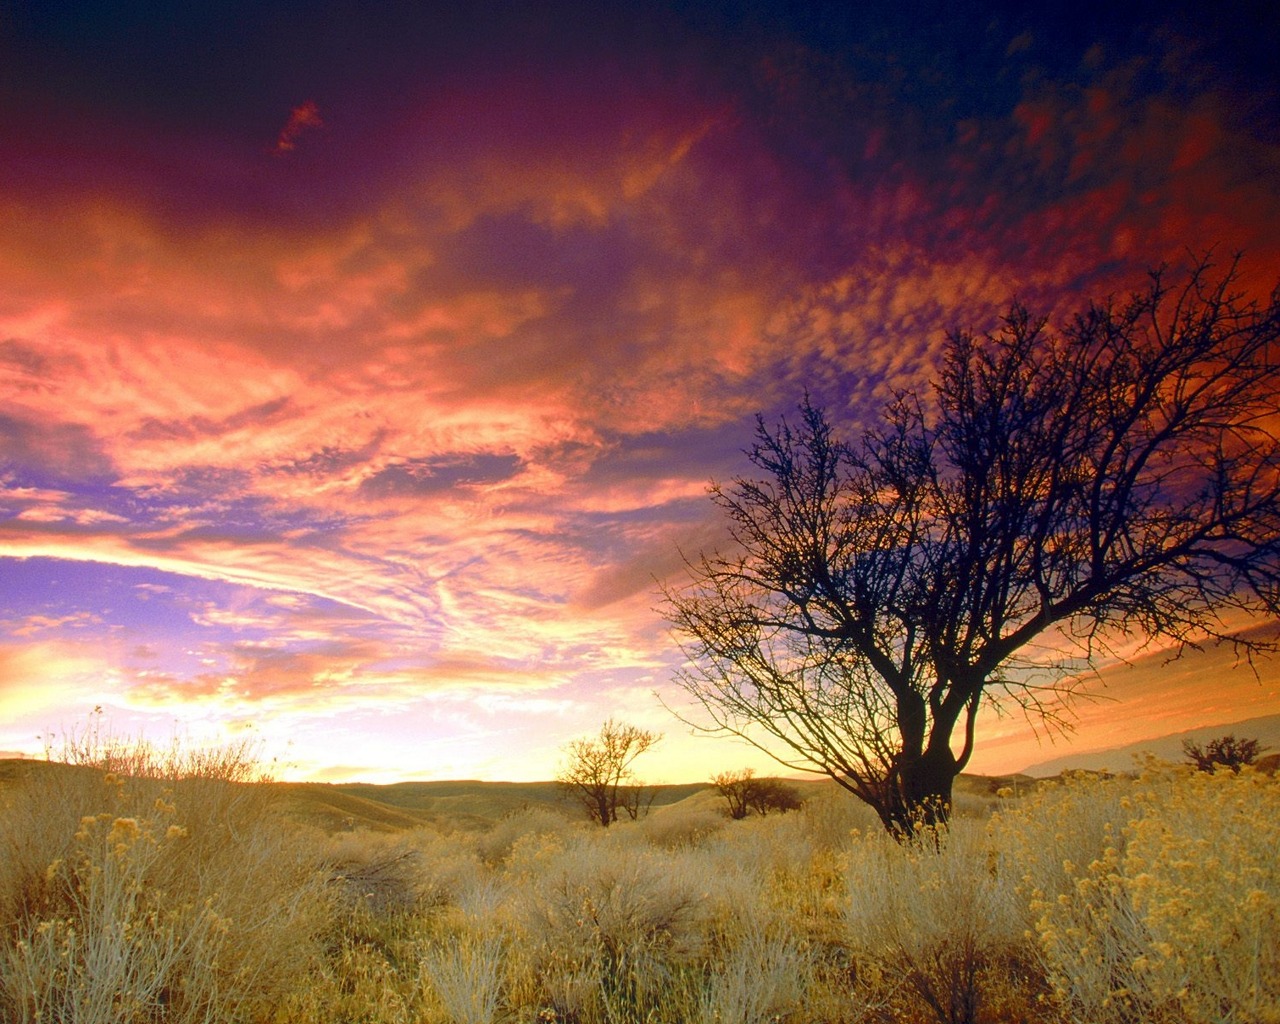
pixel 1222 752
pixel 985 543
pixel 598 772
pixel 744 793
pixel 736 787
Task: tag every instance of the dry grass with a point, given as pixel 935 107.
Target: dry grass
pixel 182 894
pixel 166 894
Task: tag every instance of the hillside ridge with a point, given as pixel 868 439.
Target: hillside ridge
pixel 1264 728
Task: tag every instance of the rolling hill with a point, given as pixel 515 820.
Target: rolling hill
pixel 1265 729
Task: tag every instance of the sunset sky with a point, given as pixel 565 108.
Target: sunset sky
pixel 364 365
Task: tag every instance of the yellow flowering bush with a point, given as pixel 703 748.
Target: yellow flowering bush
pixel 1200 868
pixel 1172 914
pixel 119 948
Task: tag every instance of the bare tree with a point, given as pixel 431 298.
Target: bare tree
pixel 774 795
pixel 1222 752
pixel 744 793
pixel 1057 491
pixel 636 799
pixel 598 772
pixel 736 787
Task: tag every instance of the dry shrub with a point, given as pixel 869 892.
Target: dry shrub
pixel 606 922
pixel 173 894
pixel 401 873
pixel 181 896
pixel 358 982
pixel 494 845
pixel 672 828
pixel 765 847
pixel 763 975
pixel 830 816
pixel 466 977
pixel 1171 912
pixel 935 926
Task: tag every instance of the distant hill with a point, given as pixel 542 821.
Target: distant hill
pixel 1266 730
pixel 466 803
pixel 463 804
pixel 475 805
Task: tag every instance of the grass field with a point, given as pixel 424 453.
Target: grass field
pixel 149 888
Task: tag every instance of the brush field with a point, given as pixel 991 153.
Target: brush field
pixel 137 887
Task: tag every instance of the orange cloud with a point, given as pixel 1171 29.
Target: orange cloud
pixel 456 382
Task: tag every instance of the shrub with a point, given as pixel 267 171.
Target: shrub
pixel 736 787
pixel 173 894
pixel 681 827
pixel 400 874
pixel 743 793
pixel 935 926
pixel 495 844
pixel 1222 752
pixel 1171 910
pixel 466 976
pixel 184 898
pixel 608 921
pixel 761 977
pixel 774 795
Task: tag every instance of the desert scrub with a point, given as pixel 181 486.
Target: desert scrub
pixel 494 845
pixel 763 974
pixel 465 976
pixel 935 925
pixel 403 873
pixel 607 922
pixel 1172 914
pixel 132 899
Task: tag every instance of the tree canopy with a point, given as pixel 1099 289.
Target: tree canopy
pixel 599 772
pixel 1056 491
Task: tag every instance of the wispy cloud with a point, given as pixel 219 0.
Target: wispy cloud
pixel 302 118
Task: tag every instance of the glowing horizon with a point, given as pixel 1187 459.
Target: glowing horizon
pixel 362 376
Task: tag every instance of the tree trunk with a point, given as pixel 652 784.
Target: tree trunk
pixel 923 793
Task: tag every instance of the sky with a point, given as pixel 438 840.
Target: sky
pixel 363 368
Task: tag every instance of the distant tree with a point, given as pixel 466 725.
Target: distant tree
pixel 774 795
pixel 737 788
pixel 598 772
pixel 636 800
pixel 1056 491
pixel 744 793
pixel 1222 752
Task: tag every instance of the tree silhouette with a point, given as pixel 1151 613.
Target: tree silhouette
pixel 1055 492
pixel 774 795
pixel 598 772
pixel 736 787
pixel 744 793
pixel 1222 752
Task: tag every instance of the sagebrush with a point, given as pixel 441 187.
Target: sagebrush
pixel 182 894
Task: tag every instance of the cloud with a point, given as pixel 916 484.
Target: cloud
pixel 31 625
pixel 302 118
pixel 440 473
pixel 265 562
pixel 428 406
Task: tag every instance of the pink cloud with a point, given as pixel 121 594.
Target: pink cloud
pixel 302 118
pixel 266 563
pixel 31 625
pixel 470 386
